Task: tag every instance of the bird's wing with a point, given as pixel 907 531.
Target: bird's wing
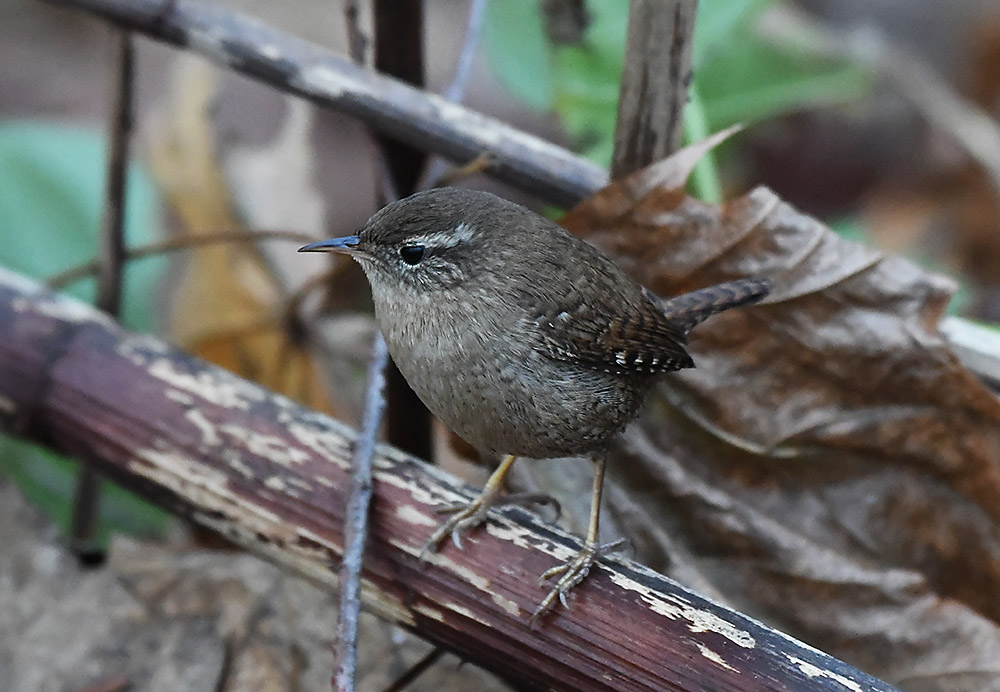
pixel 643 341
pixel 648 336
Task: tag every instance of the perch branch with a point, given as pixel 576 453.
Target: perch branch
pixel 264 471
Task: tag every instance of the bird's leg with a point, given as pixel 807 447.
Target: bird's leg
pixel 575 570
pixel 469 514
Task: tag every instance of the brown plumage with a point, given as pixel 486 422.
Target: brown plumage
pixel 522 338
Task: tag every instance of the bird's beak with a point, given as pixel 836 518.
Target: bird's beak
pixel 345 245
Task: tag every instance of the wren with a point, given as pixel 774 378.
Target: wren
pixel 520 337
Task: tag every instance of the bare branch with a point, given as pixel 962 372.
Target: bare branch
pixel 185 242
pixel 654 83
pixel 357 42
pixel 463 66
pixel 387 105
pixel 416 670
pixel 264 471
pixel 356 521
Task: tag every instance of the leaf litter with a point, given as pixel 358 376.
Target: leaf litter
pixel 830 466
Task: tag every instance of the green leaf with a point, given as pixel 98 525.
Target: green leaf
pixel 740 77
pixel 753 80
pixel 717 22
pixel 52 178
pixel 518 50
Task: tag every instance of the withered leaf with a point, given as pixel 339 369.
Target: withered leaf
pixel 830 466
pixel 227 305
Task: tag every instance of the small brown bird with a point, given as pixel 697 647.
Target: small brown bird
pixel 520 337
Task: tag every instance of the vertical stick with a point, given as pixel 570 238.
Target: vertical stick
pixel 399 51
pixel 356 521
pixel 360 493
pixel 112 259
pixel 654 82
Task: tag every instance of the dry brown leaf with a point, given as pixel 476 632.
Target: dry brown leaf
pixel 227 306
pixel 829 466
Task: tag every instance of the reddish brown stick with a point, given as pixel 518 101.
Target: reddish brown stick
pixel 265 472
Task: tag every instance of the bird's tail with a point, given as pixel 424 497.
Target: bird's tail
pixel 690 309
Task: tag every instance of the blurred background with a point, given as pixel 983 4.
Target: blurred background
pixel 845 107
pixel 879 118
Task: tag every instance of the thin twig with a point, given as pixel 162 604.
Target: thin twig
pixel 59 281
pixel 455 92
pixel 357 42
pixel 478 165
pixel 360 491
pixel 112 261
pixel 415 671
pixel 356 519
pixel 463 67
pixel 86 498
pixel 361 486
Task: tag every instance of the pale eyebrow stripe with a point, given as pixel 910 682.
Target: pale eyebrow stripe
pixel 463 232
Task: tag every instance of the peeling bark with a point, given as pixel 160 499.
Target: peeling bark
pixel 269 474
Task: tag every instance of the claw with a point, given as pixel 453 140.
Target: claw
pixel 466 516
pixel 573 571
pixel 452 508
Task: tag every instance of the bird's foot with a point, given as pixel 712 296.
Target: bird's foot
pixel 571 573
pixel 468 515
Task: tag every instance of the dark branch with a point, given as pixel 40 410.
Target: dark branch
pixel 386 105
pixel 87 494
pixel 264 471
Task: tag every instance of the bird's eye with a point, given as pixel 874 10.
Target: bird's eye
pixel 411 254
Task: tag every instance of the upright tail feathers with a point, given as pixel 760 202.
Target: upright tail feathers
pixel 691 309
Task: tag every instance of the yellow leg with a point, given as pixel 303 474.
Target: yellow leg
pixel 470 514
pixel 575 569
pixel 597 492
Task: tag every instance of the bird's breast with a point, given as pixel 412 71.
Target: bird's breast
pixel 486 379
